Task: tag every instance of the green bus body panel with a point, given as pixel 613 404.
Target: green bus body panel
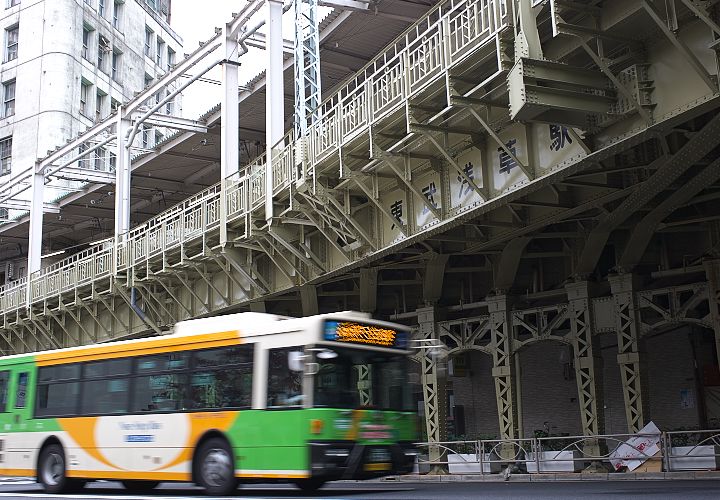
pixel 277 439
pixel 25 421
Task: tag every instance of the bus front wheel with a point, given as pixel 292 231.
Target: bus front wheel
pixel 52 471
pixel 215 467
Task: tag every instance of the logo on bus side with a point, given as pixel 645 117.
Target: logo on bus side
pixel 148 429
pixel 163 436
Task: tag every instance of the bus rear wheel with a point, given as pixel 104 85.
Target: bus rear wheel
pixel 52 472
pixel 139 486
pixel 215 468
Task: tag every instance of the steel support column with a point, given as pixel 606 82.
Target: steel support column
pixel 433 381
pixel 368 289
pixel 712 271
pixel 307 65
pixel 275 98
pixel 502 346
pixel 628 335
pixel 309 300
pixel 581 327
pixel 122 175
pixel 230 122
pixel 36 229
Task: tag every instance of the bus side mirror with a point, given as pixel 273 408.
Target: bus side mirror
pixel 295 361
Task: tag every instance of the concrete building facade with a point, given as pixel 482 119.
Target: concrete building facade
pixel 67 64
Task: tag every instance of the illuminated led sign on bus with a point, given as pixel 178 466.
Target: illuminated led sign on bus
pixel 356 333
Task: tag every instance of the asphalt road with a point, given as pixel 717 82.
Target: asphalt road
pixel 647 489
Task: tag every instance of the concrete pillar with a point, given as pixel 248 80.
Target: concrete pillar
pixel 627 326
pixel 274 92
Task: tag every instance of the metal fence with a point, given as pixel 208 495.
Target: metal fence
pixel 666 452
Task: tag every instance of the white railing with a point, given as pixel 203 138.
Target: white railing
pixel 445 35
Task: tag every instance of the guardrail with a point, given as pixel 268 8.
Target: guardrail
pixel 669 451
pixel 423 54
pixel 442 38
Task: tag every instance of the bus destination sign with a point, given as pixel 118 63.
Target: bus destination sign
pixel 356 333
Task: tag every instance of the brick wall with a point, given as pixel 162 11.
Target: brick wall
pixel 549 392
pixel 476 392
pixel 549 395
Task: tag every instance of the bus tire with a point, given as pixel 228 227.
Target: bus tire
pixel 215 467
pixel 139 486
pixel 310 484
pixel 52 472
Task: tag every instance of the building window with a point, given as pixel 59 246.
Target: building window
pixel 169 105
pixel 101 8
pixel 13 3
pixel 99 159
pixel 148 41
pixel 84 98
pixel 4 215
pixel 81 153
pixel 117 14
pixel 159 51
pixel 114 105
pixel 11 43
pixel 8 98
pixel 113 161
pixel 5 155
pixel 99 105
pixel 87 33
pixel 115 64
pixel 146 136
pixel 170 59
pixel 103 49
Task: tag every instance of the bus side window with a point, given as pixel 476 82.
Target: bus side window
pixel 4 378
pixel 284 385
pixel 21 390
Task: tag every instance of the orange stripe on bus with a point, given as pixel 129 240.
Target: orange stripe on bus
pixel 143 347
pixel 17 472
pixel 272 476
pixel 114 474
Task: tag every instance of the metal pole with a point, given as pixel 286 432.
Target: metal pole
pixel 275 99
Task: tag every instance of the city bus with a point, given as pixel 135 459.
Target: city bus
pixel 244 397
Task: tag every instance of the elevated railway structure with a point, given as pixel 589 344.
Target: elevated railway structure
pixel 501 173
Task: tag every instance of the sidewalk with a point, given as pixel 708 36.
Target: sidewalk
pixel 580 476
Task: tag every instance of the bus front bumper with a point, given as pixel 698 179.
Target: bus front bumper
pixel 350 460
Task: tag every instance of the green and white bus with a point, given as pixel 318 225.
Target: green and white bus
pixel 241 397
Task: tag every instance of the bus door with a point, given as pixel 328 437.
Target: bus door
pixel 16 449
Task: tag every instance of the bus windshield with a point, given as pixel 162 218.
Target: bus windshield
pixel 354 378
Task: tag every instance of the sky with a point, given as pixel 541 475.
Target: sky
pixel 195 24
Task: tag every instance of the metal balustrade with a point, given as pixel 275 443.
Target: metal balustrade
pixel 676 450
pixel 443 37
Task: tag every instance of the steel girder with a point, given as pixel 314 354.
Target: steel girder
pixel 628 334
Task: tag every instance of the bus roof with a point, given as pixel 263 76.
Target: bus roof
pixel 212 331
